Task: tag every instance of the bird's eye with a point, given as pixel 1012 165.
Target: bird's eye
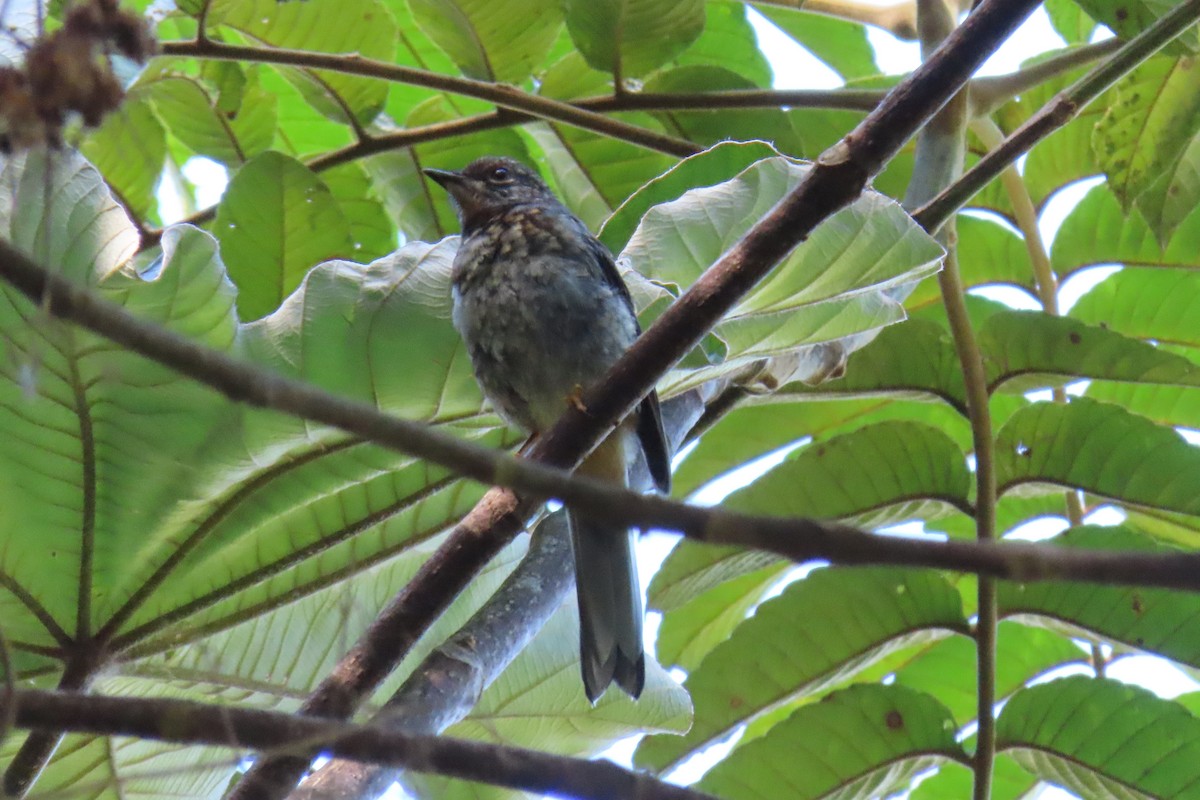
pixel 500 175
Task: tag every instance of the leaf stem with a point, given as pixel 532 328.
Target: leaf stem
pixel 940 154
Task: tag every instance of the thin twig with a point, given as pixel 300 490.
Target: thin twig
pixel 500 94
pixel 1058 112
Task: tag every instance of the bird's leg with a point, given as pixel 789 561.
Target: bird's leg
pixel 575 400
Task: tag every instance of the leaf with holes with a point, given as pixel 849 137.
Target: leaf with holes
pixel 1102 449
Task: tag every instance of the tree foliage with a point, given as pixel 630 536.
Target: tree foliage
pixel 159 539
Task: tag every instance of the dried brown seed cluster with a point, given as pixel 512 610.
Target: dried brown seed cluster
pixel 69 71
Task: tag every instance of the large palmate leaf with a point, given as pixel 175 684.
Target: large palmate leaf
pixel 165 512
pixel 757 668
pixel 1103 739
pixel 214 540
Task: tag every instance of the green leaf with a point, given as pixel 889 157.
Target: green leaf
pixel 877 475
pixel 753 430
pixel 757 668
pixel 834 285
pixel 372 233
pixel 865 741
pixel 192 117
pixel 1150 304
pixel 129 148
pixel 1103 449
pixel 1103 739
pixel 946 669
pixel 302 130
pixel 1070 21
pixel 44 369
pixel 728 40
pixel 1168 202
pixel 690 632
pixel 330 26
pixel 988 253
pixel 1156 113
pixel 276 221
pixel 692 568
pixel 1166 405
pixel 1016 343
pixel 594 174
pixel 488 40
pixel 1127 18
pixel 841 44
pixel 717 164
pixel 631 37
pixel 1098 232
pixel 1153 620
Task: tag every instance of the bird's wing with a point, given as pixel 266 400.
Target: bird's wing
pixel 649 415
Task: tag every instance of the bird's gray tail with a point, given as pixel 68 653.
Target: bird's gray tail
pixel 610 608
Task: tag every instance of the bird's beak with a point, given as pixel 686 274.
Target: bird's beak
pixel 445 178
pixel 465 193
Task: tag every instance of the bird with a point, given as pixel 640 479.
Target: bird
pixel 544 313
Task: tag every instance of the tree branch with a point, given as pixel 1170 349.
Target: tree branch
pixel 1058 112
pixel 189 722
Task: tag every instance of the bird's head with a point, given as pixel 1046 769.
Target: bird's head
pixel 489 187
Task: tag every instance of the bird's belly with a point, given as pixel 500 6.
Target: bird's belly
pixel 536 337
